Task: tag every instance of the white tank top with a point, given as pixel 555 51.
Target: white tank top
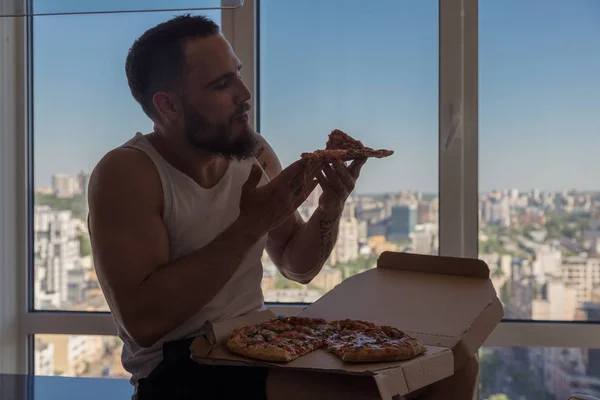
pixel 194 216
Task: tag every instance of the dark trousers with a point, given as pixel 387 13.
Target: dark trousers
pixel 178 377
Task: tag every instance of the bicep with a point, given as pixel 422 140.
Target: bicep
pixel 129 239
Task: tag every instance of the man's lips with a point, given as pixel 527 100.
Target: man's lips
pixel 243 117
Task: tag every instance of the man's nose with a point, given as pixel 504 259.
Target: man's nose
pixel 244 94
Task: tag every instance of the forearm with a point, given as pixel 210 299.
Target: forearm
pixel 310 247
pixel 176 291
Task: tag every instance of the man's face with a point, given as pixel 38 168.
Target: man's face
pixel 215 100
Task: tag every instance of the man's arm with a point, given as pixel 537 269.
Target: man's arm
pixel 151 295
pixel 299 249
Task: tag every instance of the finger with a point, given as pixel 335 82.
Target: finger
pixel 300 190
pixel 315 165
pixel 308 189
pixel 345 176
pixel 323 182
pixel 302 175
pixel 302 166
pixel 334 182
pixel 326 186
pixel 356 166
pixel 253 179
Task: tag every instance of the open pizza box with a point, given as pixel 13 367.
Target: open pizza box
pixel 447 303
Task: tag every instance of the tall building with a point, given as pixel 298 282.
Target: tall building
pixel 434 211
pixel 44 358
pixel 347 245
pixel 423 213
pixel 499 212
pixel 389 203
pixel 56 253
pixel 554 300
pixel 548 260
pixel 422 242
pixel 84 180
pixel 363 231
pixel 402 222
pixel 65 185
pixel 583 273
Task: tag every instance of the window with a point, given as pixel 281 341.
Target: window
pixel 82 108
pixel 372 73
pixel 539 146
pixel 60 277
pixel 538 373
pixel 79 355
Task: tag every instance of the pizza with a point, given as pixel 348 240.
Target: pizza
pixel 342 147
pixel 367 342
pixel 286 339
pixel 282 339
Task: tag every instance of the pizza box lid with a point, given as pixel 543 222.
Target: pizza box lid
pixel 447 303
pixel 443 301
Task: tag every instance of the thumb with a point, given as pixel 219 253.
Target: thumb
pixel 253 180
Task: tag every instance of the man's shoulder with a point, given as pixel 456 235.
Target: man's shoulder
pixel 123 166
pixel 266 156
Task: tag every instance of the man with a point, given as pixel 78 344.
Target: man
pixel 179 217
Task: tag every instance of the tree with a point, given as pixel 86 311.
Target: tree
pixel 505 293
pixel 85 247
pixel 75 204
pixel 498 273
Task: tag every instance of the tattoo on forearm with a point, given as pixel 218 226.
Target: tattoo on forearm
pixel 328 233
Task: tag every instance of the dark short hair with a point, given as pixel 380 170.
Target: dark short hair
pixel 156 60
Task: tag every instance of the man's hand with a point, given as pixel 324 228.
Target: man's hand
pixel 337 183
pixel 264 208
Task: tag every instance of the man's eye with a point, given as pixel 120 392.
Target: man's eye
pixel 223 84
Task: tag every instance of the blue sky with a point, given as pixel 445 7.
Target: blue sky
pixel 371 71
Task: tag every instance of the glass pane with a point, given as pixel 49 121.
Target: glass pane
pixel 82 109
pixel 79 355
pixel 538 373
pixel 17 8
pixel 539 145
pixel 373 73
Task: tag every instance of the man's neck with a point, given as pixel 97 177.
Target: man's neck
pixel 204 168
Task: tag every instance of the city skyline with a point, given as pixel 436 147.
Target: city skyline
pixel 521 191
pixel 539 90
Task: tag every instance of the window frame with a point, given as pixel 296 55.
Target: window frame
pixel 458 182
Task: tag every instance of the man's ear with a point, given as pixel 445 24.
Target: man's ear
pixel 167 105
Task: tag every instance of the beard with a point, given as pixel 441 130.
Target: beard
pixel 219 138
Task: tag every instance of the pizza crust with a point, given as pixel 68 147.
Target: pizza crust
pixel 407 351
pixel 269 353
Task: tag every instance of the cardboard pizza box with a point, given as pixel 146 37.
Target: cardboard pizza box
pixel 448 303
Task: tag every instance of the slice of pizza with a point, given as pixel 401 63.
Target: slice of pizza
pixel 279 340
pixel 342 147
pixel 339 140
pixel 373 344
